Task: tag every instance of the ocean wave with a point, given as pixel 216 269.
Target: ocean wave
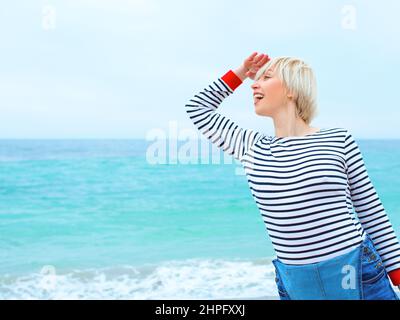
pixel 186 279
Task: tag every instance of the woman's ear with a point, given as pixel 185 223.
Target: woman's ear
pixel 290 95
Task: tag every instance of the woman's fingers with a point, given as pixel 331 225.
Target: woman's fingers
pixel 261 60
pixel 258 63
pixel 254 62
pixel 267 58
pixel 253 54
pixel 251 57
pixel 258 58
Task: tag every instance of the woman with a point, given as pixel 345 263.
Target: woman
pixel 306 182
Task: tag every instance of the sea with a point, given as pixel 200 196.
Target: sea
pixel 139 219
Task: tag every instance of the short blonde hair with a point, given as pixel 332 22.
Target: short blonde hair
pixel 299 79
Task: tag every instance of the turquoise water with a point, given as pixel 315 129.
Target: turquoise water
pixel 93 218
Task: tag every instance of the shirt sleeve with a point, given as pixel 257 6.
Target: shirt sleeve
pixel 370 210
pixel 220 130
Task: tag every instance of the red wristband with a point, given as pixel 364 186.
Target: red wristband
pixel 231 79
pixel 395 277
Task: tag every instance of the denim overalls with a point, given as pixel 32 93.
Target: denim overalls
pixel 356 275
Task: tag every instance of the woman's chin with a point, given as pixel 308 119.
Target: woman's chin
pixel 260 110
pixel 257 110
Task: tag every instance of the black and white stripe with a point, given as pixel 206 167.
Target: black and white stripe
pixel 220 130
pixel 313 192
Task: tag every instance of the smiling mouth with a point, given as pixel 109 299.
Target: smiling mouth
pixel 256 100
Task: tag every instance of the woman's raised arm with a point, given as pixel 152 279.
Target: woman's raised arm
pixel 220 130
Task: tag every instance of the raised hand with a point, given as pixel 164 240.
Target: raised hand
pixel 253 63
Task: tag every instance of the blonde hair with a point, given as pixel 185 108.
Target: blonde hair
pixel 299 79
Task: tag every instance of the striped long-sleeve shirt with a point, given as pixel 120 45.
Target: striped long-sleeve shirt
pixel 313 192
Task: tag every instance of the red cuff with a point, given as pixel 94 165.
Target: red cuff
pixel 232 80
pixel 395 277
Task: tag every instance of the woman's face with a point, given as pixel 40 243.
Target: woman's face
pixel 269 94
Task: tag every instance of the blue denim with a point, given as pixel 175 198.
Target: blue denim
pixel 356 275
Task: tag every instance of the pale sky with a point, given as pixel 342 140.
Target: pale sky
pixel 122 68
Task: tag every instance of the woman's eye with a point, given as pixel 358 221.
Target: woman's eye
pixel 266 77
